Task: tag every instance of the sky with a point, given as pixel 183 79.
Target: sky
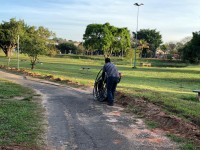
pixel 68 19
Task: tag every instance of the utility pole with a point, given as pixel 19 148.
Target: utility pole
pixel 18 52
pixel 138 5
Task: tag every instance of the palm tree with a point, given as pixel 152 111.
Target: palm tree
pixel 142 44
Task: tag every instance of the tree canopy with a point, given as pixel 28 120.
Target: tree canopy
pixel 35 42
pixel 9 32
pixel 152 37
pixel 191 50
pixel 107 38
pixel 67 47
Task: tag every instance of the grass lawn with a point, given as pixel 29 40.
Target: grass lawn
pixel 169 87
pixel 20 116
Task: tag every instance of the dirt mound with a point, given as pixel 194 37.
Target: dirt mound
pixel 16 147
pixel 20 147
pixel 169 123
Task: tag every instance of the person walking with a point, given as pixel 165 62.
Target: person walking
pixel 110 72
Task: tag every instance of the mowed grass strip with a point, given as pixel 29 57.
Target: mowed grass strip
pixel 20 119
pixel 169 87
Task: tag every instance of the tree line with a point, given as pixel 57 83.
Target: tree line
pixel 34 41
pixel 102 39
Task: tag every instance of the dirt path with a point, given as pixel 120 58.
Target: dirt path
pixel 75 121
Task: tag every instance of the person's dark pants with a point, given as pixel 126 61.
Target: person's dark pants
pixel 111 87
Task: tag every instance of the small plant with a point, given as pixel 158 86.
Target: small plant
pixel 133 109
pixel 185 145
pixel 151 124
pixel 175 138
pixel 188 146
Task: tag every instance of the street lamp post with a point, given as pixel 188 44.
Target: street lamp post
pixel 18 52
pixel 138 5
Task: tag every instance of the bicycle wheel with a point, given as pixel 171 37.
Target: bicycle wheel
pixel 99 90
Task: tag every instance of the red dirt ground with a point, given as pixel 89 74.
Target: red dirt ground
pixel 169 123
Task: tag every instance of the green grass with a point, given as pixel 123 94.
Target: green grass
pixel 151 124
pixel 169 87
pixel 185 145
pixel 20 120
pixel 175 138
pixel 10 90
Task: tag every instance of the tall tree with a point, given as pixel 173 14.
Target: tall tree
pixel 93 36
pixel 9 32
pixel 80 49
pixel 67 47
pixel 143 46
pixel 35 43
pixel 106 37
pixel 124 39
pixel 152 37
pixel 191 50
pixel 59 40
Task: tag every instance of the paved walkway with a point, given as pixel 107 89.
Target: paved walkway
pixel 76 122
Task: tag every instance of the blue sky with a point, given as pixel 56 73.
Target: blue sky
pixel 174 19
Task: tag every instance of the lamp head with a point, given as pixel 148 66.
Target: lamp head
pixel 136 4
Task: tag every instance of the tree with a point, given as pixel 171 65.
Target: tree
pixel 93 36
pixel 59 40
pixel 35 43
pixel 180 45
pixel 143 45
pixel 130 55
pixel 191 50
pixel 80 49
pixel 99 37
pixel 67 47
pixel 152 37
pixel 107 38
pixel 186 40
pixel 124 39
pixel 9 32
pixel 52 50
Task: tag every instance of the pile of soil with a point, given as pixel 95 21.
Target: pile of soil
pixel 18 147
pixel 170 123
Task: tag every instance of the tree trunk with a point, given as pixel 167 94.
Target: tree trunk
pixel 33 62
pixel 131 61
pixel 32 66
pixel 8 64
pixel 7 53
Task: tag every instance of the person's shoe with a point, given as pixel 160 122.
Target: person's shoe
pixel 104 102
pixel 110 104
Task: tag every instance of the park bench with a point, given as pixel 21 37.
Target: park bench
pixel 198 95
pixel 145 64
